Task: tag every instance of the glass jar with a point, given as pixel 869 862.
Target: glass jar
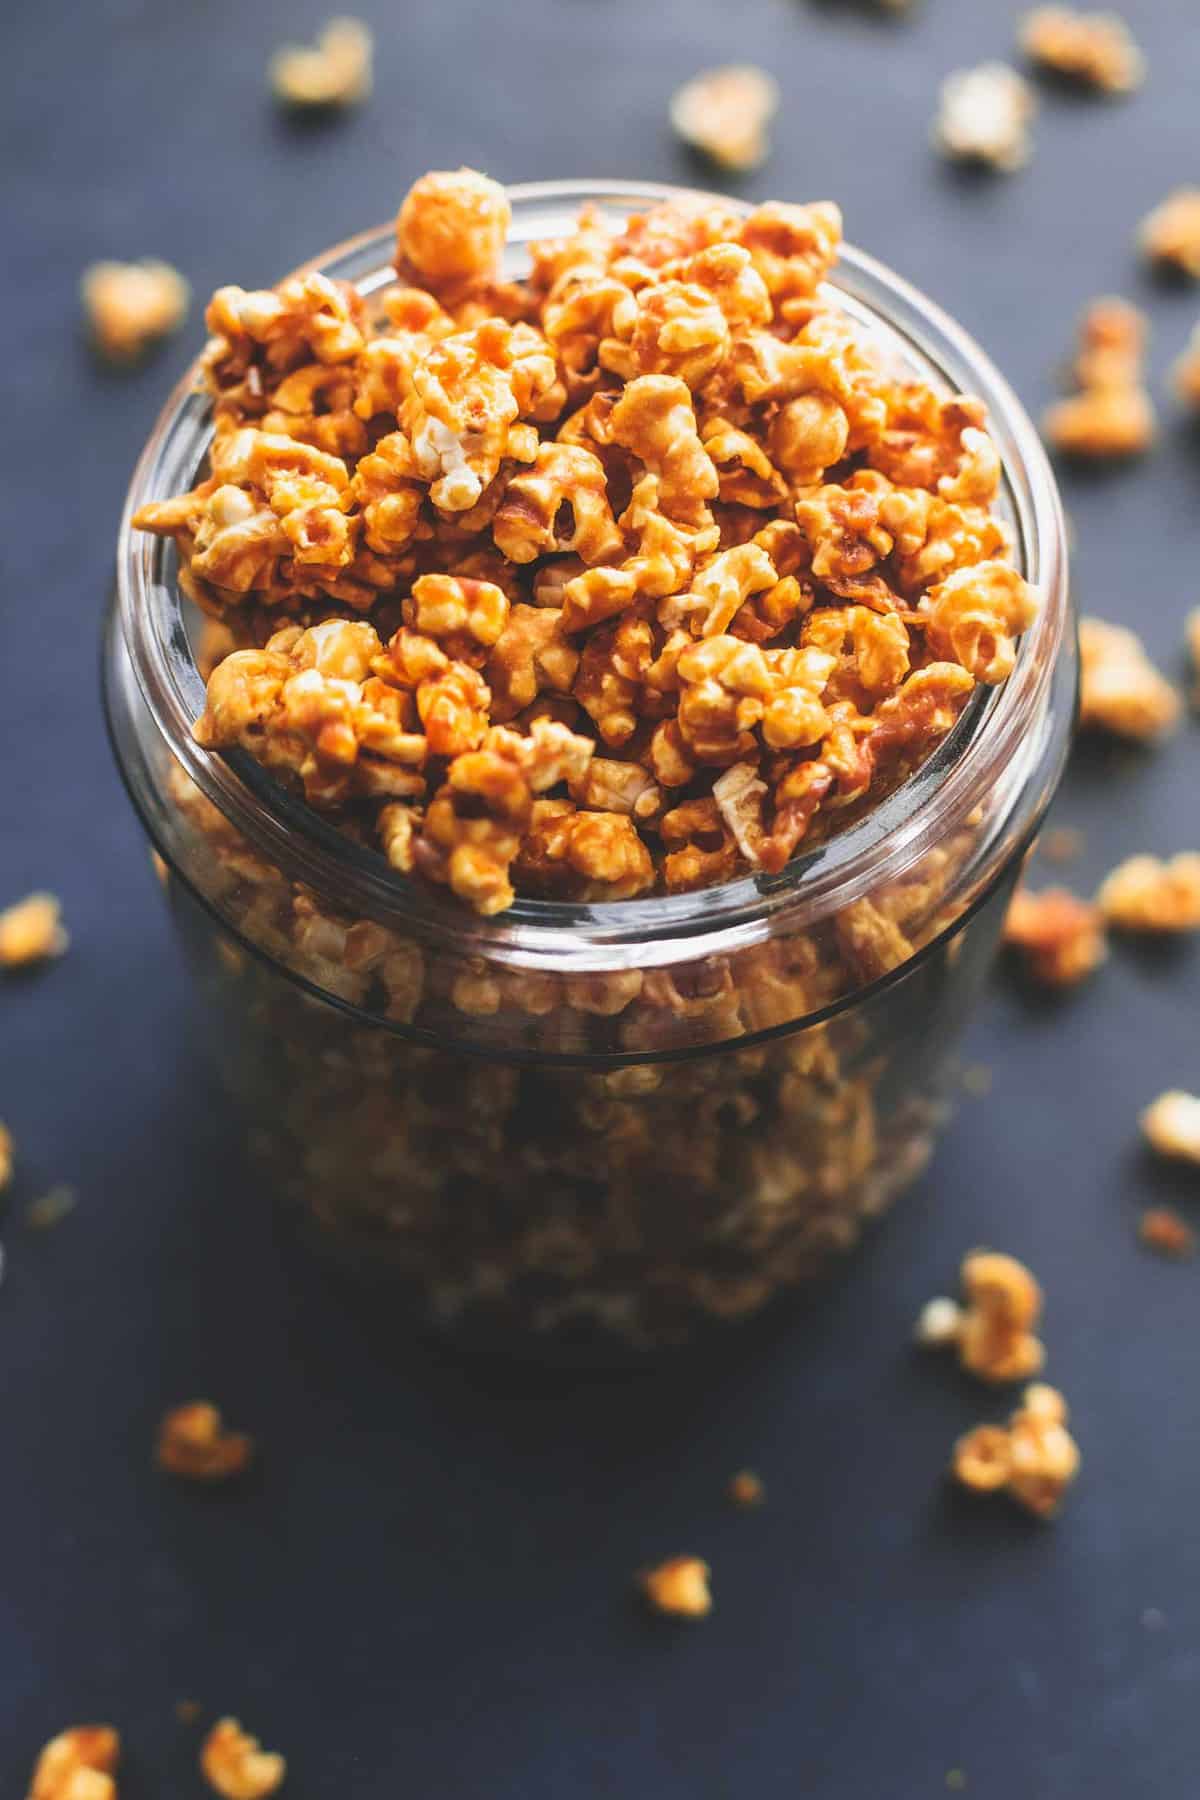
pixel 621 1119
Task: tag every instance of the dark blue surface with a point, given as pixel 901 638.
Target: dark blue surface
pixel 424 1588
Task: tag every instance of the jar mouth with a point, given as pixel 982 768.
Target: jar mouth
pixel 956 779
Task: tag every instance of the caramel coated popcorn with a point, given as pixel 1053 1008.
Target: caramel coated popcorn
pixel 1147 894
pixel 746 1489
pixel 236 1765
pixel 1163 1231
pixel 1170 234
pixel 724 113
pixel 1171 1125
pixel 335 71
pixel 31 931
pixel 79 1764
pixel 193 1442
pixel 625 578
pixel 1094 48
pixel 1060 936
pixel 984 117
pixel 1112 415
pixel 1120 690
pixel 678 1587
pixel 1034 1459
pixel 130 306
pixel 994 1331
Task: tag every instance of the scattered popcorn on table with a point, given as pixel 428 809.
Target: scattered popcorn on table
pixel 31 931
pixel 1170 235
pixel 335 71
pixel 1060 936
pixel 1035 1459
pixel 1148 894
pixel 193 1442
pixel 1162 1230
pixel 131 306
pixel 1095 48
pixel 1171 1125
pixel 1112 415
pixel 51 1208
pixel 746 1489
pixel 79 1764
pixel 236 1765
pixel 994 1332
pixel 724 113
pixel 1120 690
pixel 679 1587
pixel 1185 373
pixel 983 116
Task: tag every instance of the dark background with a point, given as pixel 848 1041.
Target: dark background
pixel 424 1588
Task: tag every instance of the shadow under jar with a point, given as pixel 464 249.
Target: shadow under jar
pixel 611 1121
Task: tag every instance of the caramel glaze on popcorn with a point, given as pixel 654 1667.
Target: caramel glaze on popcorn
pixel 626 578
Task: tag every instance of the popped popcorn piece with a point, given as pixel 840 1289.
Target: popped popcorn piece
pixel 79 1764
pixel 679 1587
pixel 724 113
pixel 1171 1125
pixel 1146 893
pixel 1192 633
pixel 193 1442
pixel 1112 415
pixel 7 1156
pixel 1120 690
pixel 1164 1232
pixel 51 1208
pixel 997 1339
pixel 1169 235
pixel 1034 1460
pixel 984 115
pixel 132 305
pixel 746 1489
pixel 452 225
pixel 1095 48
pixel 31 931
pixel 1060 936
pixel 335 71
pixel 236 1765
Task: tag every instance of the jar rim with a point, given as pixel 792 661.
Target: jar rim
pixel 888 840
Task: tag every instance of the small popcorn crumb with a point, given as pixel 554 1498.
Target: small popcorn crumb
pixel 31 931
pixel 938 1323
pixel 193 1442
pixel 188 1711
pixel 79 1764
pixel 679 1587
pixel 1163 1230
pixel 724 113
pixel 1094 48
pixel 236 1765
pixel 1170 234
pixel 1061 844
pixel 130 306
pixel 1060 936
pixel 1112 414
pixel 746 1489
pixel 1035 1459
pixel 1171 1125
pixel 1192 634
pixel 336 71
pixel 1147 894
pixel 7 1156
pixel 1120 690
pixel 51 1208
pixel 983 117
